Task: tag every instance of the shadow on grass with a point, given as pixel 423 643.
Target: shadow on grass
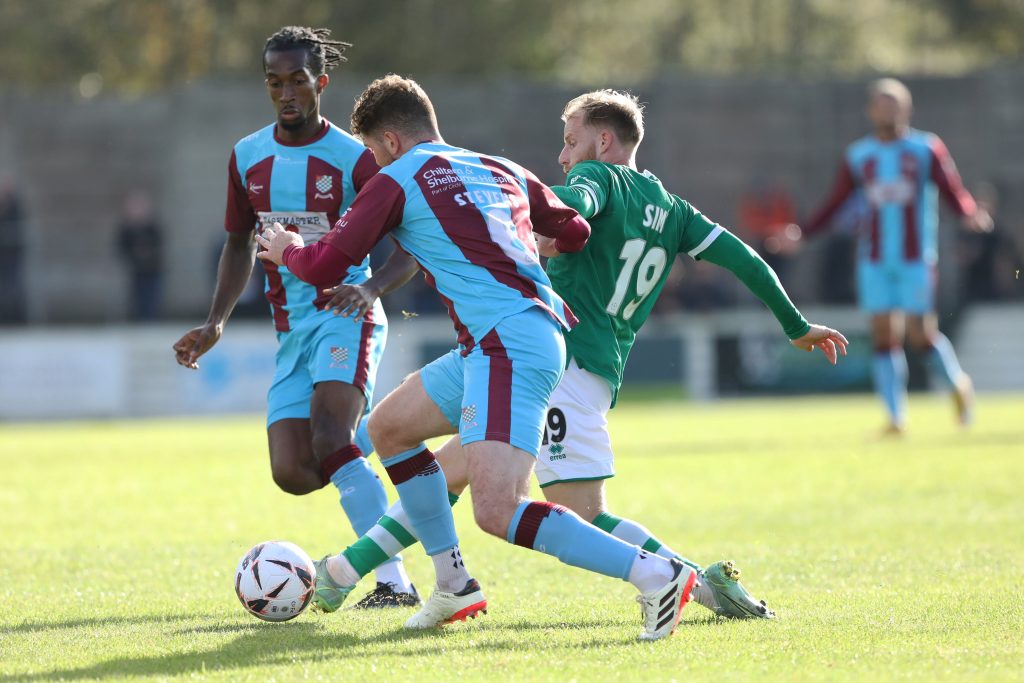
pixel 266 645
pixel 61 625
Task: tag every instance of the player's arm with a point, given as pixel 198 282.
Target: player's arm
pixel 715 244
pixel 233 271
pixel 356 300
pixel 377 209
pixel 951 187
pixel 842 188
pixel 552 218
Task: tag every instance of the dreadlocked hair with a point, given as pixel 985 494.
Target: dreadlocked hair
pixel 324 54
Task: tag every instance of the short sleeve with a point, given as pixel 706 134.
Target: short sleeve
pixel 239 215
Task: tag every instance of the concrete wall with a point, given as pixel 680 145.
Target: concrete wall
pixel 119 371
pixel 708 140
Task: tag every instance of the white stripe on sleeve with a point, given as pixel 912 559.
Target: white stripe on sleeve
pixel 712 236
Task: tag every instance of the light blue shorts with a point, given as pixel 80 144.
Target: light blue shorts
pixel 500 390
pixel 908 287
pixel 336 350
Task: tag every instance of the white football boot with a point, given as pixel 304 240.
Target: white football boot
pixel 444 608
pixel 662 608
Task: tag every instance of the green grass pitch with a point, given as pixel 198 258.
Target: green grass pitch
pixel 897 559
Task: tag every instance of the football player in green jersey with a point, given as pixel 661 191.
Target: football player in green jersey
pixel 638 228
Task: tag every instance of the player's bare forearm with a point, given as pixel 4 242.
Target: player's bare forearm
pixel 396 271
pixel 357 300
pixel 233 271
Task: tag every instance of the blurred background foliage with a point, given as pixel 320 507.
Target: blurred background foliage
pixel 138 46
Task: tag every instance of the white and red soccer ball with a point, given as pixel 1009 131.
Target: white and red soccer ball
pixel 275 580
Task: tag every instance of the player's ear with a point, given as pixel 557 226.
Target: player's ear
pixel 392 142
pixel 321 82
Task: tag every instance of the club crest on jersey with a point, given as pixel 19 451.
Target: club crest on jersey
pixel 254 188
pixel 339 356
pixel 324 183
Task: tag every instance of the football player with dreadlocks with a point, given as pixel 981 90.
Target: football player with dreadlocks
pixel 302 171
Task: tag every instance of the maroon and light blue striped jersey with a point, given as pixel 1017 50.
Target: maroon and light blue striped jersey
pixel 468 219
pixel 900 181
pixel 305 187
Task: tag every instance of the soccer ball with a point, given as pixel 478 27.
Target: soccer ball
pixel 275 580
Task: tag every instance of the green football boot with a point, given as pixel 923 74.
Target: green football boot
pixel 723 593
pixel 327 594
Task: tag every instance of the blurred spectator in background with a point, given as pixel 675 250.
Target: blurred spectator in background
pixel 696 286
pixel 139 238
pixel 12 245
pixel 767 220
pixel 989 261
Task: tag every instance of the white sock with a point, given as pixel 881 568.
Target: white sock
pixel 649 572
pixel 342 571
pixel 394 573
pixel 451 570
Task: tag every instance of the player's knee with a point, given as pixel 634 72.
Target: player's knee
pixel 376 429
pixel 491 518
pixel 918 341
pixel 293 479
pixel 385 431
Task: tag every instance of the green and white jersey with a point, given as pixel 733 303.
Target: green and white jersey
pixel 637 228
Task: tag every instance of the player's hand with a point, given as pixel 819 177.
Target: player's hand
pixel 979 221
pixel 831 342
pixel 275 240
pixel 546 246
pixel 351 300
pixel 195 343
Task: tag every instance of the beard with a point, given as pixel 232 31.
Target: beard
pixel 294 124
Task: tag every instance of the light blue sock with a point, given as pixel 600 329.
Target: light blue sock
pixel 363 437
pixel 423 491
pixel 558 531
pixel 942 360
pixel 362 494
pixel 890 371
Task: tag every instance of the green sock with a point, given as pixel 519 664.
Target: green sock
pixel 389 536
pixel 631 532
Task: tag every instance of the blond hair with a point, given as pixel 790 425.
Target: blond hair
pixel 620 111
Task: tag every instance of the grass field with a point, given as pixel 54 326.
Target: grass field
pixel 885 560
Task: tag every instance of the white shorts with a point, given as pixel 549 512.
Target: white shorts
pixel 576 445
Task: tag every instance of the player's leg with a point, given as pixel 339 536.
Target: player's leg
pixel 294 467
pixel 889 367
pixel 442 382
pixel 336 407
pixel 343 361
pixel 576 457
pixel 924 336
pixel 889 363
pixel 398 428
pixel 509 380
